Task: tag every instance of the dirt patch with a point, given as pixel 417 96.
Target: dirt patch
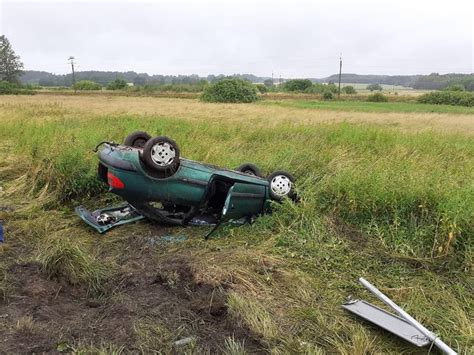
pixel 42 313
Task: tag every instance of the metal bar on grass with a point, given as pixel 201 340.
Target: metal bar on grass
pixel 433 337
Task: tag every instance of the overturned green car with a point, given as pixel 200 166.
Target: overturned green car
pixel 158 184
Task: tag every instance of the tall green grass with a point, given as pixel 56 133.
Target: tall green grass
pixel 362 106
pixel 413 191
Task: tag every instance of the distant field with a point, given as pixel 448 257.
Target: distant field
pixel 362 106
pixel 403 90
pixel 386 193
pixel 385 87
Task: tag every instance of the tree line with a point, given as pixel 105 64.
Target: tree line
pixel 433 81
pixel 11 70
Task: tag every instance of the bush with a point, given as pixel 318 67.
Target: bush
pixel 454 87
pixel 332 88
pixel 230 90
pixel 268 83
pixel 327 95
pixel 457 98
pixel 321 88
pixel 374 87
pixel 117 84
pixel 262 88
pixel 7 88
pixel 87 85
pixel 315 89
pixel 377 97
pixel 349 90
pixel 297 85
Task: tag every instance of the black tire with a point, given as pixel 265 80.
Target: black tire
pixel 137 139
pixel 250 169
pixel 277 191
pixel 161 154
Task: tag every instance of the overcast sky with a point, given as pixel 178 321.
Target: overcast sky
pixel 291 38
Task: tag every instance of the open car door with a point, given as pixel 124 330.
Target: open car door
pixel 243 200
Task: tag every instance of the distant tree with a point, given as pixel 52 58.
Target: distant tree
pixel 349 90
pixel 332 88
pixel 374 87
pixel 268 83
pixel 455 87
pixel 10 65
pixel 117 84
pixel 469 85
pixel 297 84
pixel 262 88
pixel 139 81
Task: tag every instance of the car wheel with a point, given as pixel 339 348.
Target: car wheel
pixel 281 185
pixel 161 154
pixel 137 139
pixel 249 169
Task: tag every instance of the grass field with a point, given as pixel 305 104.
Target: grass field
pixel 387 193
pixel 363 106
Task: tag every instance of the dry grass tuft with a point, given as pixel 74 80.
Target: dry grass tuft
pixel 234 347
pixel 26 325
pixel 252 313
pixel 71 260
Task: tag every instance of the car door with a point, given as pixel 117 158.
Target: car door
pixel 243 200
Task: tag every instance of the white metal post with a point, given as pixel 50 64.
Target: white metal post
pixel 433 337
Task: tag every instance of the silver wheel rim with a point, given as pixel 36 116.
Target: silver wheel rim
pixel 163 154
pixel 281 185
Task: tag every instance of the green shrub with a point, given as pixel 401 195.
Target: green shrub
pixel 454 87
pixel 327 95
pixel 315 89
pixel 262 88
pixel 230 90
pixel 332 88
pixel 374 87
pixel 457 98
pixel 321 88
pixel 297 85
pixel 7 88
pixel 377 97
pixel 117 84
pixel 268 83
pixel 349 90
pixel 87 85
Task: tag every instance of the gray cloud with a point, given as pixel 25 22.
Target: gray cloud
pixel 291 38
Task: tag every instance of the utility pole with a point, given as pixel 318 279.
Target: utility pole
pixel 71 60
pixel 340 71
pixel 272 79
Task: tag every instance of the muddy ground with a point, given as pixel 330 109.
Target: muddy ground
pixel 150 305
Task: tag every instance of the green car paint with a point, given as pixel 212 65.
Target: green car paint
pixel 189 186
